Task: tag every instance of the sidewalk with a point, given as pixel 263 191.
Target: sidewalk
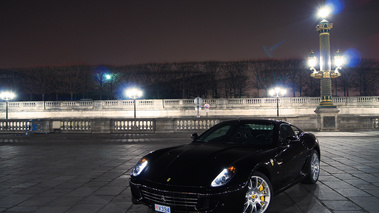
pixel 90 173
pixel 347 134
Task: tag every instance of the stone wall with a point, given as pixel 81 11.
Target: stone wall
pixel 113 116
pixel 175 108
pixel 165 125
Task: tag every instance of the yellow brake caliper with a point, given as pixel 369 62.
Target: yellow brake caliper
pixel 262 197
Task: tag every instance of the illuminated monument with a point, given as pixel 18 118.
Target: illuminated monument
pixel 326 111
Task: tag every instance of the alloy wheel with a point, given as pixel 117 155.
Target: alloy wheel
pixel 315 166
pixel 258 195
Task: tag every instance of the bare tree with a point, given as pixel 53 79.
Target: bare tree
pixel 100 78
pixel 262 72
pixel 160 77
pixel 295 75
pixel 73 79
pixel 40 80
pixel 211 69
pixel 236 77
pixel 367 74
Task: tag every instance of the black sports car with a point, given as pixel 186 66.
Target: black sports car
pixel 235 166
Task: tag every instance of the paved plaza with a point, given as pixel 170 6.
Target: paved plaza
pixel 90 173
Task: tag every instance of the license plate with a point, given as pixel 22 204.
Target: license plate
pixel 160 208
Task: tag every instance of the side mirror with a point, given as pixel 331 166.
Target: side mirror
pixel 289 139
pixel 194 136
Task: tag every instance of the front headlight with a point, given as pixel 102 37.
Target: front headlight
pixel 224 177
pixel 141 165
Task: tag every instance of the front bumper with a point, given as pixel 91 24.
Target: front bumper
pixel 181 200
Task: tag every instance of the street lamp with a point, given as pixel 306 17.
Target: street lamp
pixel 108 76
pixel 7 96
pixel 277 91
pixel 326 73
pixel 134 93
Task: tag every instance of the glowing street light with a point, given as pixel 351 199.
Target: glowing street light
pixel 134 93
pixel 6 95
pixel 339 61
pixel 108 76
pixel 324 12
pixel 277 91
pixel 325 73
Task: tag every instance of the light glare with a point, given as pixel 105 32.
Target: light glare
pixel 108 76
pixel 277 91
pixel 133 93
pixel 324 12
pixel 312 62
pixel 7 95
pixel 339 61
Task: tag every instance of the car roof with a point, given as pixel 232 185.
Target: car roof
pixel 260 121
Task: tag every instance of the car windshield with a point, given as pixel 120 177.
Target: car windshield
pixel 247 133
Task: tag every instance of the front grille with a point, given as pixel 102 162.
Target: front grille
pixel 178 200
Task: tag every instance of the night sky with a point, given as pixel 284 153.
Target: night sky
pixel 123 32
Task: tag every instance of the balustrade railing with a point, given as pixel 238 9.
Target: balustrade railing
pixel 254 101
pixel 171 102
pixel 75 125
pixel 149 125
pixel 15 125
pixel 133 125
pixel 195 124
pixel 365 99
pixel 185 103
pixel 66 104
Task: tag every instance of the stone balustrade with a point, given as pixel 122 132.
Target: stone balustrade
pixel 163 103
pixel 162 125
pixel 175 108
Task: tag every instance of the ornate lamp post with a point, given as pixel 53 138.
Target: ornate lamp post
pixel 326 73
pixel 7 96
pixel 277 91
pixel 134 93
pixel 326 111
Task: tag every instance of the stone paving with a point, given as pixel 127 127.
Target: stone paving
pixel 90 173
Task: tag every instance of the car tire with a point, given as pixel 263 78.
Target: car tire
pixel 313 168
pixel 258 193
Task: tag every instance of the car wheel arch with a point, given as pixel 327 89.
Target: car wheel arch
pixel 262 170
pixel 318 152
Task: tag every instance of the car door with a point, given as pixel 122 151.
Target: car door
pixel 291 155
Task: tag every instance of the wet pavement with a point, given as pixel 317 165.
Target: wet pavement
pixel 90 173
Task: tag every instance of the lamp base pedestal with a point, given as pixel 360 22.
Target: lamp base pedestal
pixel 327 118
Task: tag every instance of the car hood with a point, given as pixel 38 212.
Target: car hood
pixel 197 164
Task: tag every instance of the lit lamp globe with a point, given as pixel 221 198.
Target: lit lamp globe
pixel 7 95
pixel 277 91
pixel 339 60
pixel 324 12
pixel 133 93
pixel 108 76
pixel 312 61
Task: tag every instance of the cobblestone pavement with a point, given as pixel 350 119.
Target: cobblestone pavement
pixel 90 173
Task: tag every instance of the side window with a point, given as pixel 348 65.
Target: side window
pixel 286 131
pixel 218 134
